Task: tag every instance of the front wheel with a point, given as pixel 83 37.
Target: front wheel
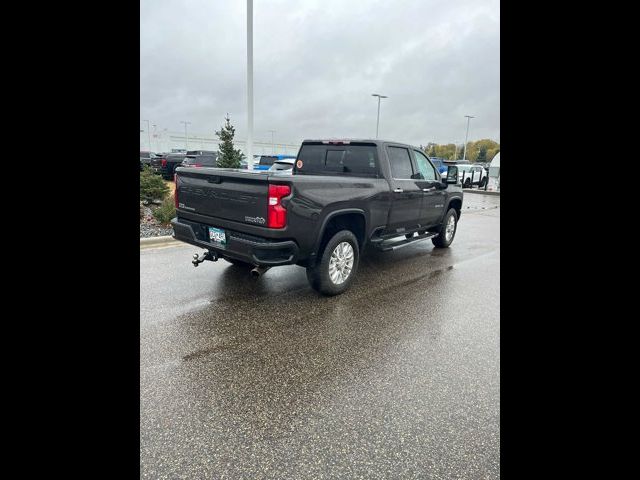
pixel 336 268
pixel 447 230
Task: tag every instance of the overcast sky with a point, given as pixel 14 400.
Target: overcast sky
pixel 316 64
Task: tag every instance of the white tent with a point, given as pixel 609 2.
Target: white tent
pixel 494 173
pixel 494 167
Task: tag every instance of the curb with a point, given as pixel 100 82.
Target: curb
pixel 481 192
pixel 156 241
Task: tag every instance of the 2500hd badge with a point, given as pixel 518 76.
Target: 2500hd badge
pixel 259 220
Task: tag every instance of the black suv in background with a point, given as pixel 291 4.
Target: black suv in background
pixel 146 158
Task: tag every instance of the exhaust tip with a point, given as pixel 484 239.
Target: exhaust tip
pixel 255 273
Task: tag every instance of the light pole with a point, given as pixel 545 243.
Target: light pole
pixel 250 84
pixel 155 135
pixel 273 147
pixel 378 121
pixel 186 137
pixel 148 135
pixel 464 155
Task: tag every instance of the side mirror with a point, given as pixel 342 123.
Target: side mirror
pixel 452 175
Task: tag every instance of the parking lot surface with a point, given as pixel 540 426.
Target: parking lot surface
pixel 263 378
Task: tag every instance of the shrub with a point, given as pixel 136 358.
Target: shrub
pixel 152 187
pixel 165 212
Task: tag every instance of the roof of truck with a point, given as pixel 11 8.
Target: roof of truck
pixel 356 140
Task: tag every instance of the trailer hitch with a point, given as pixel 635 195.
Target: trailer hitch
pixel 208 255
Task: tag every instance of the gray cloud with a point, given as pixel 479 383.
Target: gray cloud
pixel 316 63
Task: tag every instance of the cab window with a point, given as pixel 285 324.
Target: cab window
pixel 424 166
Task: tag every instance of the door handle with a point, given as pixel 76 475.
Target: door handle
pixel 398 190
pixel 429 189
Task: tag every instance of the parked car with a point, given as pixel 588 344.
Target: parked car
pixel 208 159
pixel 439 164
pixel 472 174
pixel 146 158
pixel 265 161
pixel 341 197
pixel 283 165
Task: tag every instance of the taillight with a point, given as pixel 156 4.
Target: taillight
pixel 196 165
pixel 175 191
pixel 277 214
pixel 164 162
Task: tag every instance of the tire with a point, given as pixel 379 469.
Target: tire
pixel 443 240
pixel 319 276
pixel 408 235
pixel 482 183
pixel 467 183
pixel 238 263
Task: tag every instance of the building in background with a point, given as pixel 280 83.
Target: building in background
pixel 166 141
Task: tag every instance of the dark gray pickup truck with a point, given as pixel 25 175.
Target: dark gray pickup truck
pixel 343 195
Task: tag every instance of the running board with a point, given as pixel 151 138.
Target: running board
pixel 387 246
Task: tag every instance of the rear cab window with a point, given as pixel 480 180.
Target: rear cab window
pixel 356 159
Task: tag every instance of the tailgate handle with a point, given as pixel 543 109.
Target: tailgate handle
pixel 215 179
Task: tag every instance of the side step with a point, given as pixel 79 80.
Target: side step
pixel 387 245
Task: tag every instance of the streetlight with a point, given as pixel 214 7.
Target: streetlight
pixel 186 137
pixel 155 135
pixel 378 121
pixel 148 135
pixel 273 148
pixel 250 84
pixel 464 155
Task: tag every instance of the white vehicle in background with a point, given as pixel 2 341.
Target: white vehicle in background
pixel 284 165
pixel 470 174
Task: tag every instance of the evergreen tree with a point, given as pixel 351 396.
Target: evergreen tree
pixel 482 154
pixel 228 157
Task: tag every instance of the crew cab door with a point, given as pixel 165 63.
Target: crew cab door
pixel 433 195
pixel 406 195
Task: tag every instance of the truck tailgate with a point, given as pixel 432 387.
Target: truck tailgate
pixel 239 196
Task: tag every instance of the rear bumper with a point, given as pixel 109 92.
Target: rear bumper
pixel 248 248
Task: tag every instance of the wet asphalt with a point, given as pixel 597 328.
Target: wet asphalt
pixel 397 378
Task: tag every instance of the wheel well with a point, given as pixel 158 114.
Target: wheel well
pixel 456 204
pixel 346 221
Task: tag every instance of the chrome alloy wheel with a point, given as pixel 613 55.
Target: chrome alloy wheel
pixel 450 229
pixel 341 263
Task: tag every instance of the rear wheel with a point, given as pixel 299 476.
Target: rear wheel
pixel 483 182
pixel 447 230
pixel 335 270
pixel 467 183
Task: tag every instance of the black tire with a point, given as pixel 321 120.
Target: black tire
pixel 441 240
pixel 238 263
pixel 482 183
pixel 467 183
pixel 319 277
pixel 408 235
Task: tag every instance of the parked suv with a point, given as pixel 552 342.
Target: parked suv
pixel 146 158
pixel 472 175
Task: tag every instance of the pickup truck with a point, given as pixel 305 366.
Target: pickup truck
pixel 342 196
pixel 166 164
